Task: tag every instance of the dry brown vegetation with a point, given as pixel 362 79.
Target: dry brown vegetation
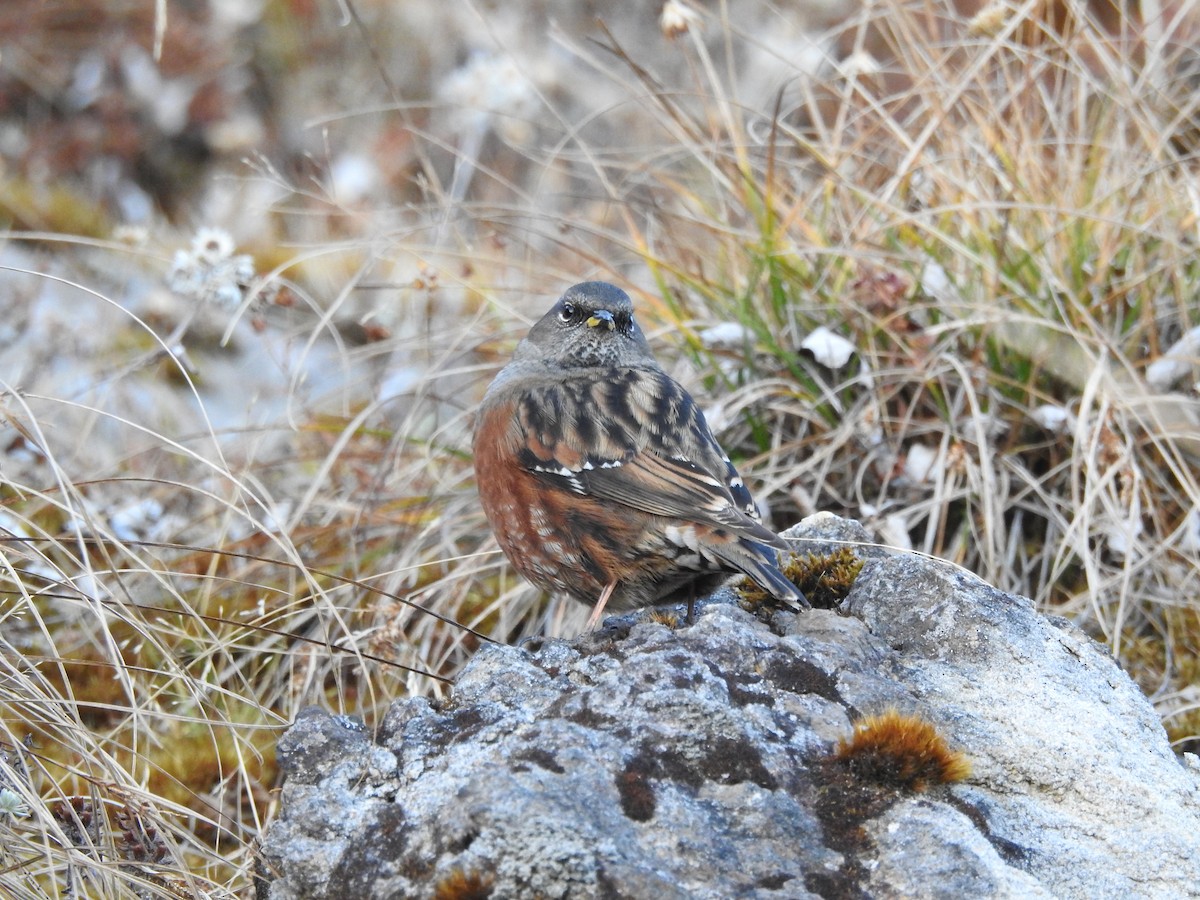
pixel 232 488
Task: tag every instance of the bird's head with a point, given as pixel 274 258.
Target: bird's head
pixel 591 325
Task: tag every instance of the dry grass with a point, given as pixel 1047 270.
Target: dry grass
pixel 998 215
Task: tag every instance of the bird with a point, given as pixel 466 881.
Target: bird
pixel 600 476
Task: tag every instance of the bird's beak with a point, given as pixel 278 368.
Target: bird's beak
pixel 601 317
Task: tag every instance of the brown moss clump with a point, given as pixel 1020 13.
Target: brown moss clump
pixel 886 757
pixel 825 579
pixel 666 617
pixel 463 885
pixel 901 751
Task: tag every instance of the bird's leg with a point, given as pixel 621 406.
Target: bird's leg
pixel 691 613
pixel 598 609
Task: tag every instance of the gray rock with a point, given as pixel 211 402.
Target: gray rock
pixel 649 762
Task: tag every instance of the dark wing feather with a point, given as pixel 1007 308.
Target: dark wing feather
pixel 676 488
pixel 637 438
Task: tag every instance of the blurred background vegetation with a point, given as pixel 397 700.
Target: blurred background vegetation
pixel 931 265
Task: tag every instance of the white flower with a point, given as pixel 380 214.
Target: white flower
pixel 243 268
pixel 210 272
pixel 678 18
pixel 11 804
pixel 212 245
pixel 226 294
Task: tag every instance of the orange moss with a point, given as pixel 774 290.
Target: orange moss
pixel 462 885
pixel 901 751
pixel 664 617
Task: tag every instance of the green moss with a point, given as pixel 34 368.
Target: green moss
pixel 51 208
pixel 824 579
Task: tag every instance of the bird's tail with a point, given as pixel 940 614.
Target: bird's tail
pixel 761 565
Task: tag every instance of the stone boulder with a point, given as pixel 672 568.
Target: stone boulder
pixel 647 760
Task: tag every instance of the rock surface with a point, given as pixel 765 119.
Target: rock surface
pixel 644 761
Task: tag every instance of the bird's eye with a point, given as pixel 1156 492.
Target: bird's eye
pixel 624 323
pixel 569 313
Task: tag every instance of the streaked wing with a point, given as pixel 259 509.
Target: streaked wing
pixel 635 438
pixel 675 488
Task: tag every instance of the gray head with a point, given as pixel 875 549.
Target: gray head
pixel 591 325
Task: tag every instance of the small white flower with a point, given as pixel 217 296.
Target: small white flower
pixel 243 269
pixel 184 277
pixel 226 294
pixel 210 272
pixel 212 245
pixel 11 804
pixel 182 261
pixel 678 18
